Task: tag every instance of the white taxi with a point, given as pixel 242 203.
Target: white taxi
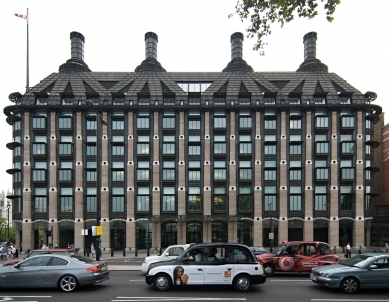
pixel 209 264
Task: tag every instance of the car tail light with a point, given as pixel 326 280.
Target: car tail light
pixel 93 269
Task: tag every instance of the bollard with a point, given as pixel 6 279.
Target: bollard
pixel 160 251
pixel 28 251
pixel 334 249
pixel 148 252
pixel 84 252
pixel 374 251
pixel 136 252
pixel 111 252
pixel 360 250
pixel 16 253
pixel 124 252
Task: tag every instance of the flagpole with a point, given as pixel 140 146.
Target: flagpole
pixel 28 71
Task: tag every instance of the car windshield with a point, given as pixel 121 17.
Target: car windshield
pixel 278 249
pixel 357 261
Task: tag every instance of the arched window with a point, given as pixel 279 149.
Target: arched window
pixel 194 232
pixel 168 234
pixel 245 232
pixel 219 232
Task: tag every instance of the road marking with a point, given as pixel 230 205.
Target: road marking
pixel 351 300
pixel 137 280
pixel 26 296
pixel 10 298
pixel 288 280
pixel 132 299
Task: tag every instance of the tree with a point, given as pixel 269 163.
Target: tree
pixel 4 230
pixel 264 12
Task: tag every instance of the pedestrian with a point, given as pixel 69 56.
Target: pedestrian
pixel 9 252
pixel 92 250
pixel 348 250
pixel 344 251
pixel 386 248
pixel 5 252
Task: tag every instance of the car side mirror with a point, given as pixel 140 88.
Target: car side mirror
pixel 373 266
pixel 167 254
pixel 17 265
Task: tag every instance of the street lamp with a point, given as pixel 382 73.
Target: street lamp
pixel 8 207
pixel 99 122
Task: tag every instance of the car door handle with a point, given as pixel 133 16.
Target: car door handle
pixel 200 269
pixel 229 269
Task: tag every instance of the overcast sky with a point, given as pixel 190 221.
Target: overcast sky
pixel 193 36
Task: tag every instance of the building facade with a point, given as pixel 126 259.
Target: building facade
pixel 158 158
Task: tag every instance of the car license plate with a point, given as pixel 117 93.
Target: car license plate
pixel 103 268
pixel 313 278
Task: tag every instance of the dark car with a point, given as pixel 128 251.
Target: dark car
pixel 258 250
pixel 39 252
pixel 209 264
pixel 298 256
pixel 360 271
pixel 53 271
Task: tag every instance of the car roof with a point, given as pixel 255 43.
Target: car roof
pixel 53 250
pixel 302 242
pixel 218 244
pixel 375 254
pixel 52 255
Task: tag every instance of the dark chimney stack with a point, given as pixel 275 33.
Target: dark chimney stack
pixel 237 46
pixel 237 63
pixel 310 45
pixel 310 62
pixel 150 63
pixel 77 45
pixel 151 40
pixel 76 62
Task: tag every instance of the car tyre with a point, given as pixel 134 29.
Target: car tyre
pixel 269 269
pixel 242 283
pixel 68 283
pixel 349 285
pixel 162 282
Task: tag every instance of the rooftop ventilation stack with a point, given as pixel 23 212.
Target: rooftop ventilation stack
pixel 150 63
pixel 76 62
pixel 237 63
pixel 310 62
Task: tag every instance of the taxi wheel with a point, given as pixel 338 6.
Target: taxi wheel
pixel 349 285
pixel 242 283
pixel 269 269
pixel 162 282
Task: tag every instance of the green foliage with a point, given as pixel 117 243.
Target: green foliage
pixel 264 12
pixel 4 230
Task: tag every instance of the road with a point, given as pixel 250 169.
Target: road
pixel 129 286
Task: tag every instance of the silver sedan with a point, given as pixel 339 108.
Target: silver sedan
pixel 53 270
pixel 360 271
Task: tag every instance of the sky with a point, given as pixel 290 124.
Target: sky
pixel 192 36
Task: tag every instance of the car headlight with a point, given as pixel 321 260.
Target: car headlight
pixel 326 275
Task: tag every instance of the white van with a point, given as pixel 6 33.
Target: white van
pixel 170 253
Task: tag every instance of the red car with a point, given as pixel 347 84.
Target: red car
pixel 39 252
pixel 298 256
